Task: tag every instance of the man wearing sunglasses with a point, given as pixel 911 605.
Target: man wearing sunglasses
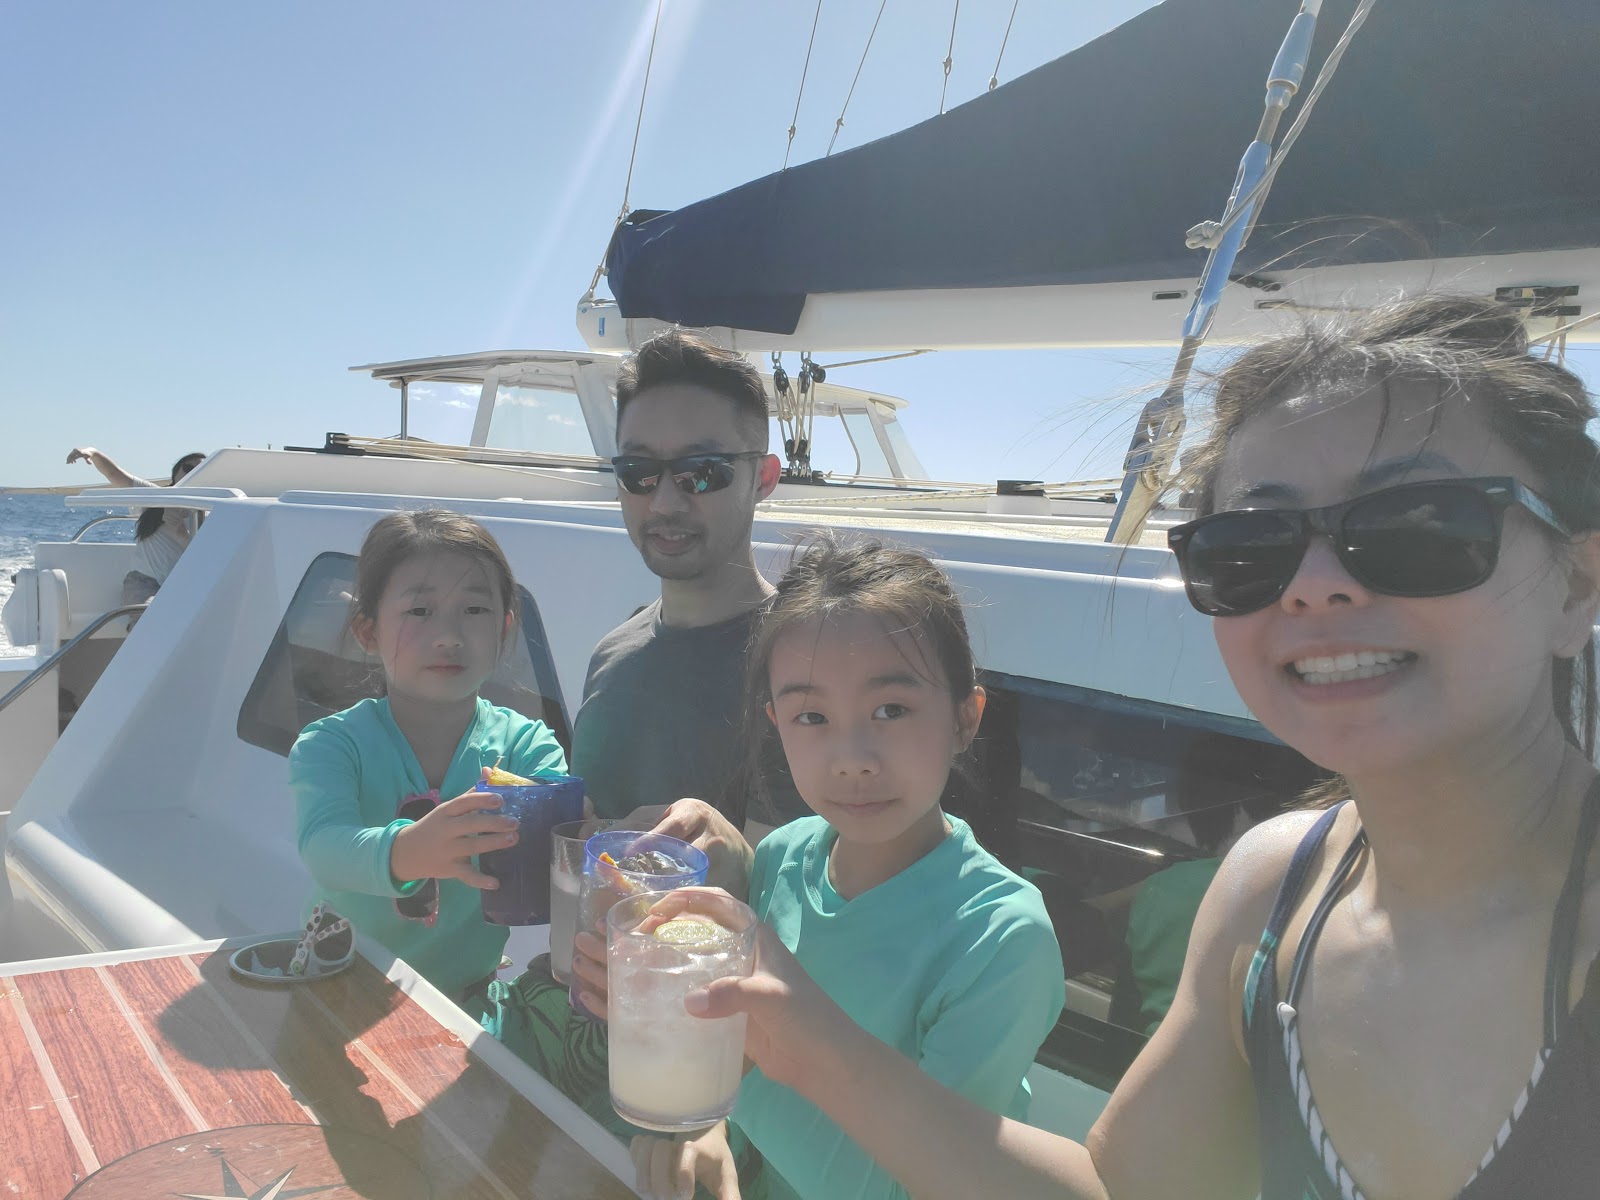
pixel 658 738
pixel 662 715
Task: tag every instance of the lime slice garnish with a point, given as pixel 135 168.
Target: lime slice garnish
pixel 692 933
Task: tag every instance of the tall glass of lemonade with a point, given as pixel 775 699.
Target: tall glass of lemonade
pixel 671 1071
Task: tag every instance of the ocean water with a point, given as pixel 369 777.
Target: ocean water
pixel 26 521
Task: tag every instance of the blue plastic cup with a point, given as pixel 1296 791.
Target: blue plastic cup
pixel 523 870
pixel 601 888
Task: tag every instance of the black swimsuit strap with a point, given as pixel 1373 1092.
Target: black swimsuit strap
pixel 1564 925
pixel 1294 879
pixel 1319 915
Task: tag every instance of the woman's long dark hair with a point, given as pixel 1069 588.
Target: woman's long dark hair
pixel 150 518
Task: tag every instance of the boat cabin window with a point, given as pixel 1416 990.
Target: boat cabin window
pixel 314 666
pixel 547 420
pixel 1119 811
pixel 441 412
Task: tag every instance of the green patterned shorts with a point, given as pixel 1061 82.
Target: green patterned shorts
pixel 532 1016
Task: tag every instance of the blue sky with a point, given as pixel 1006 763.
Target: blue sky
pixel 212 210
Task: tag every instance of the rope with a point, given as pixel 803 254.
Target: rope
pixel 798 95
pixel 949 56
pixel 783 402
pixel 839 124
pixel 994 76
pixel 805 412
pixel 1250 202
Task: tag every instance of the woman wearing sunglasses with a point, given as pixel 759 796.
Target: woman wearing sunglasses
pixel 1393 995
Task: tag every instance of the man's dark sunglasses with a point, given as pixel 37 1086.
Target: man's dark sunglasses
pixel 1418 539
pixel 695 474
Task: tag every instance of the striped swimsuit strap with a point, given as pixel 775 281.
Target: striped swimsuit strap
pixel 1558 973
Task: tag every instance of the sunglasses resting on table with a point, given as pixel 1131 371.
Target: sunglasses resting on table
pixel 695 474
pixel 1433 538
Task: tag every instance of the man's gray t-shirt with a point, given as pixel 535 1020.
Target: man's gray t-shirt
pixel 663 717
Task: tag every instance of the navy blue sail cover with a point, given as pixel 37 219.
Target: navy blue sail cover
pixel 1456 128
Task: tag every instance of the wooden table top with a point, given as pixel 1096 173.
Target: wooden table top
pixel 161 1074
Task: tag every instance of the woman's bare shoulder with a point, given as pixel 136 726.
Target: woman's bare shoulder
pixel 1248 880
pixel 1190 1091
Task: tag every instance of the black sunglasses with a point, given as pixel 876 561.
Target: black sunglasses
pixel 1418 539
pixel 695 474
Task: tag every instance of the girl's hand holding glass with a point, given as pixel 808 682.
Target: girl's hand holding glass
pixel 669 1168
pixel 441 845
pixel 704 827
pixel 792 1021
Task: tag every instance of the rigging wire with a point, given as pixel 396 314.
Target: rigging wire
pixel 1555 349
pixel 1208 233
pixel 839 124
pixel 627 184
pixel 856 362
pixel 949 56
pixel 639 122
pixel 1565 329
pixel 994 76
pixel 794 120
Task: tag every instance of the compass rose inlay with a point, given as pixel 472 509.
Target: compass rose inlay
pixel 273 1190
pixel 261 1162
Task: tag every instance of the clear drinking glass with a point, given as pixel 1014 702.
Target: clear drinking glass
pixel 671 1071
pixel 605 883
pixel 566 881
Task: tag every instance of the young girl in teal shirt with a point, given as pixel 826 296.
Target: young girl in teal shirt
pixel 434 603
pixel 862 662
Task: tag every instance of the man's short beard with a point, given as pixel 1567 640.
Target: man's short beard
pixel 666 566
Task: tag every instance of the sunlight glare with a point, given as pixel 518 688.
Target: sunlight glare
pixel 611 137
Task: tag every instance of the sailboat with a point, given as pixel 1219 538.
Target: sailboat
pixel 1051 211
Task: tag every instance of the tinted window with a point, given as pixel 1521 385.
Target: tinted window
pixel 1119 811
pixel 315 667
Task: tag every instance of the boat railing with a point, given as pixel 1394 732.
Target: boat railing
pixel 102 521
pixel 55 659
pixel 1081 489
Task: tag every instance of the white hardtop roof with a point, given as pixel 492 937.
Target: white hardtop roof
pixel 472 368
pixel 476 368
